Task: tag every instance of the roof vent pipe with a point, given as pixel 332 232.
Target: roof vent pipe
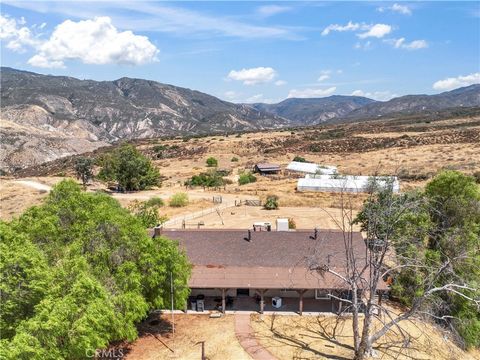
pixel 249 236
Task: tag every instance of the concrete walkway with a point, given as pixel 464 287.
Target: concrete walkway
pixel 246 337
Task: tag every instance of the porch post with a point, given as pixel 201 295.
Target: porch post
pixel 262 300
pixel 300 302
pixel 223 301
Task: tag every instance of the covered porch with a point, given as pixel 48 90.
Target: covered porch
pixel 261 300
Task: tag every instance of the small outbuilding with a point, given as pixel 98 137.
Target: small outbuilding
pixel 266 168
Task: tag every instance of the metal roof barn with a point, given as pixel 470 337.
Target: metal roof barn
pixel 311 168
pixel 346 183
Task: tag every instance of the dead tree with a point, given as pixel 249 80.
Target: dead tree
pixel 362 273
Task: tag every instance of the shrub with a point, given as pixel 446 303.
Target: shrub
pixel 179 200
pixel 234 159
pixel 299 159
pixel 155 201
pixel 271 203
pixel 246 178
pixel 476 175
pixel 212 162
pixel 210 179
pixel 291 223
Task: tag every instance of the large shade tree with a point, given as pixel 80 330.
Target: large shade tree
pixel 79 272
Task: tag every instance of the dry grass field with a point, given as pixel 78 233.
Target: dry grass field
pixel 157 342
pixel 324 337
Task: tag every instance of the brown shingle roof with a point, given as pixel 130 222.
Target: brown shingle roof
pixel 225 258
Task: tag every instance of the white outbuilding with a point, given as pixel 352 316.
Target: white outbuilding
pixel 346 183
pixel 311 168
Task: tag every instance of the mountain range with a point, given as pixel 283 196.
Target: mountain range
pixel 45 117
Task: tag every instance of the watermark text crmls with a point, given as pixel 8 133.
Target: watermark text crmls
pixel 105 353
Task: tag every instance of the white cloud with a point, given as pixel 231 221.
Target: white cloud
pixel 370 30
pixel 158 17
pixel 349 27
pixel 310 93
pixel 377 30
pixel 456 82
pixel 401 9
pixel 270 10
pixel 253 76
pixel 16 36
pixel 324 75
pixel 280 82
pixel 94 41
pixel 413 45
pixel 375 95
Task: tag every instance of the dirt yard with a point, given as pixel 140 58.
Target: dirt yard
pixel 157 342
pixel 290 337
pixel 243 217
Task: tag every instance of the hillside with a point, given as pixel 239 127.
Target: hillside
pixel 465 97
pixel 46 117
pixel 315 110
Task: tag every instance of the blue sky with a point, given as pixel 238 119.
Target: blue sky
pixel 252 51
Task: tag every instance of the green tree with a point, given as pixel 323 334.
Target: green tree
pixel 212 162
pixel 130 169
pixel 84 170
pixel 104 273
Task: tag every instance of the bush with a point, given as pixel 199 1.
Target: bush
pixel 299 159
pixel 155 201
pixel 210 179
pixel 271 203
pixel 212 162
pixel 476 175
pixel 179 200
pixel 147 212
pixel 246 178
pixel 234 159
pixel 291 223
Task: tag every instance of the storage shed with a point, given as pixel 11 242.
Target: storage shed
pixel 311 168
pixel 346 183
pixel 266 168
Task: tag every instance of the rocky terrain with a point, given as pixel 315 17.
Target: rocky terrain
pixel 48 117
pixel 45 117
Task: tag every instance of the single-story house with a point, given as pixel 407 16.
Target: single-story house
pixel 266 168
pixel 346 183
pixel 311 168
pixel 272 270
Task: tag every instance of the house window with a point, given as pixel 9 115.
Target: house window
pixel 322 294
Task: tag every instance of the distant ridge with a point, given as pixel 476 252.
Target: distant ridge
pixel 46 117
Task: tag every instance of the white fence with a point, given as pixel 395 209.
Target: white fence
pixel 198 214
